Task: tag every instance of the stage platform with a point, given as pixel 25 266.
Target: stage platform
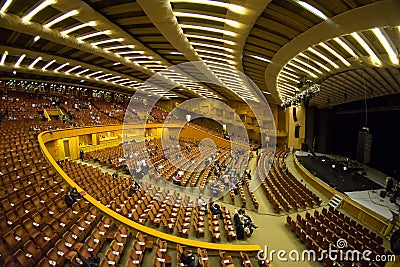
pixel 362 184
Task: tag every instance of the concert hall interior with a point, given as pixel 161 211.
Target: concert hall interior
pixel 199 133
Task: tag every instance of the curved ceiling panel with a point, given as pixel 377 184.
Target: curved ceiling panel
pixel 349 47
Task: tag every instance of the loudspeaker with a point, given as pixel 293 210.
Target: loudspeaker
pixel 297 131
pixel 364 147
pixel 294 114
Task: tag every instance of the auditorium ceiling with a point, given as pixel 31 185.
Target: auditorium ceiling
pixel 348 47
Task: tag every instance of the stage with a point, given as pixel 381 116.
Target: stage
pixel 359 182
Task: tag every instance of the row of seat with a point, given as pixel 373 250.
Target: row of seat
pixel 283 190
pixel 321 233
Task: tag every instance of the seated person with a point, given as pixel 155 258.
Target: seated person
pixel 75 194
pixel 134 187
pixel 138 174
pixel 176 180
pixel 188 259
pixel 82 261
pixel 69 200
pixel 202 204
pixel 215 208
pixel 247 220
pixel 115 175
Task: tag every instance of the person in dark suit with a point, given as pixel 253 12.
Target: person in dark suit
pixel 188 259
pixel 69 200
pixel 75 194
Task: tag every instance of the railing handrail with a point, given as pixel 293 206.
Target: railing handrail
pixel 149 231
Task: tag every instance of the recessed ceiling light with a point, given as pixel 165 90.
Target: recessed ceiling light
pixel 5 6
pixel 312 9
pixel 36 38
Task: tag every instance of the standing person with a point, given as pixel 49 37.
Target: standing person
pixel 144 166
pixel 82 155
pixel 389 185
pixel 240 229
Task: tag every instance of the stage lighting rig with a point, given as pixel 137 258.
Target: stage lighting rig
pixel 304 96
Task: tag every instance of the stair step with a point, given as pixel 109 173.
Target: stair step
pixel 335 201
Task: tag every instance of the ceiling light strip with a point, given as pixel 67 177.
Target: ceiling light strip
pixel 34 62
pixel 19 60
pixel 232 7
pixel 60 67
pixel 111 78
pixel 120 80
pixel 208 29
pixel 260 58
pixel 336 66
pixel 37 9
pixel 336 54
pixel 288 77
pixel 80 26
pixel 93 73
pixel 315 61
pixel 385 43
pixel 48 64
pixel 81 72
pixel 312 9
pixel 5 7
pixel 303 69
pixel 61 18
pixel 345 46
pixel 72 69
pixel 102 76
pixel 290 74
pixel 108 41
pixel 230 50
pixel 307 65
pixel 360 40
pixel 197 36
pixel 3 57
pixel 214 53
pixel 129 52
pixel 208 17
pixel 119 47
pixel 90 35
